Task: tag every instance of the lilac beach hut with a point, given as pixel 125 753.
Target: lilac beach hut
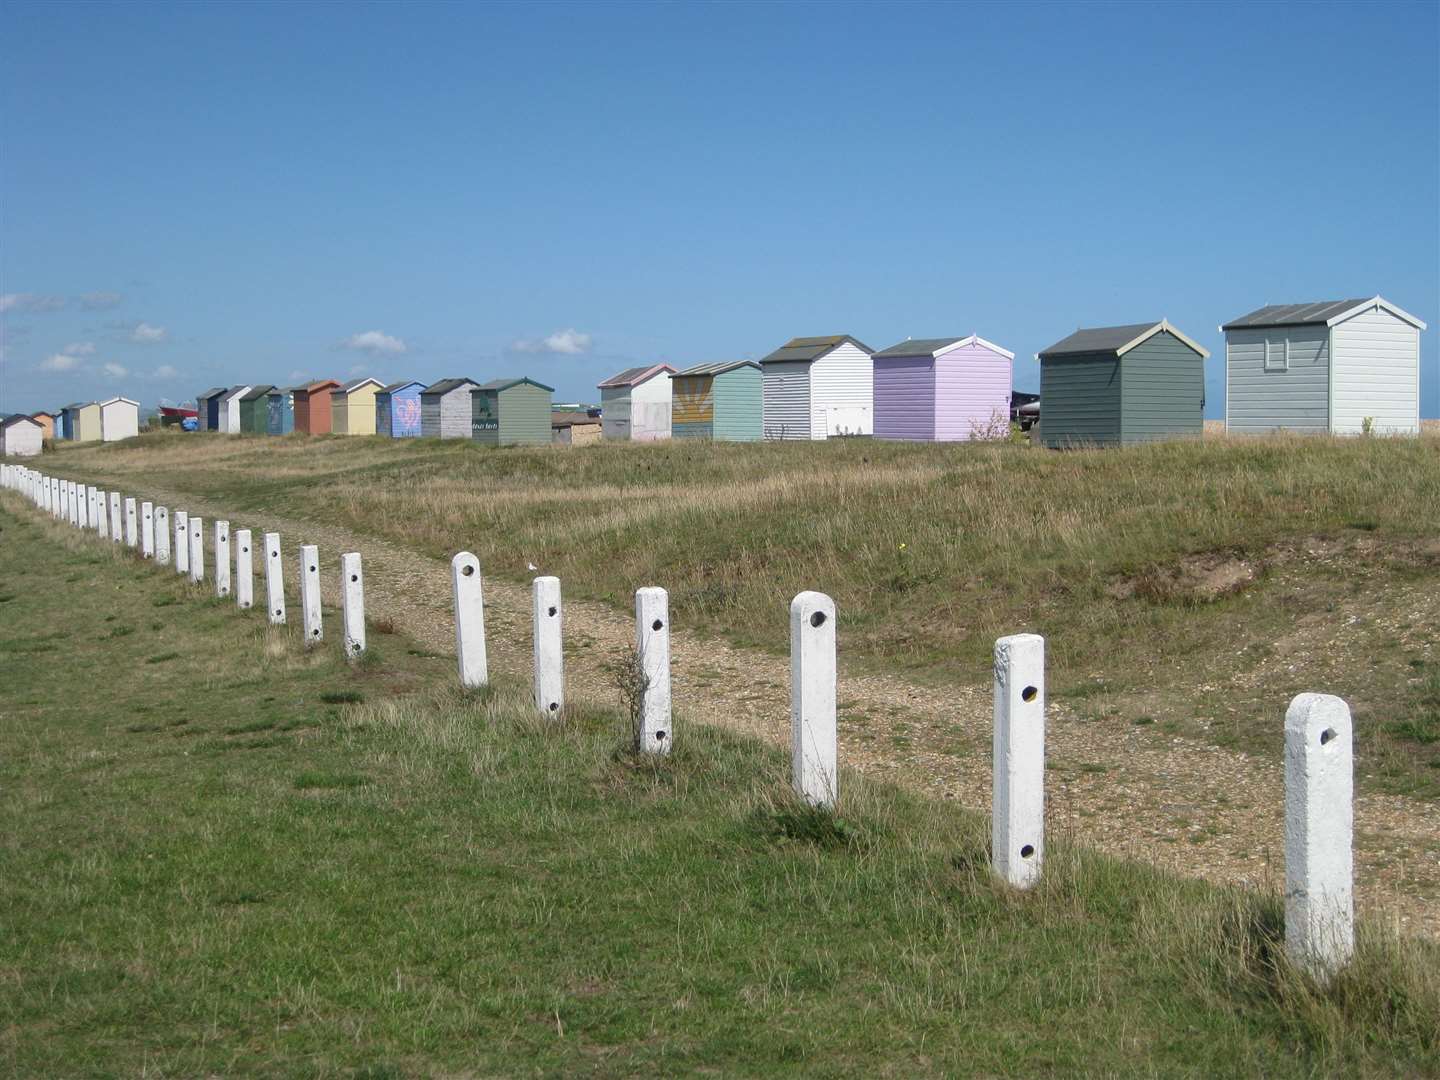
pixel 942 389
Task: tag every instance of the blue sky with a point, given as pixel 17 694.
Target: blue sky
pixel 208 194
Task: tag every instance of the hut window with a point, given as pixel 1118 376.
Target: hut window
pixel 1277 354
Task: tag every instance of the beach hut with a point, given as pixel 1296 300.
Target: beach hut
pixel 47 424
pixel 229 409
pixel 816 387
pixel 352 407
pixel 280 410
pixel 207 409
pixel 511 412
pixel 119 419
pixel 87 423
pixel 397 410
pixel 69 419
pixel 942 390
pixel 446 410
pixel 312 407
pixel 21 436
pixel 1118 385
pixel 572 428
pixel 255 410
pixel 1332 366
pixel 722 401
pixel 635 404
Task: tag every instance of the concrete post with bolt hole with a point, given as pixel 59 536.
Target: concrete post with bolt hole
pixel 813 742
pixel 656 734
pixel 147 530
pixel 1319 826
pixel 197 550
pixel 244 571
pixel 162 536
pixel 352 604
pixel 310 593
pixel 222 558
pixel 1017 815
pixel 274 580
pixel 182 542
pixel 469 620
pixel 548 621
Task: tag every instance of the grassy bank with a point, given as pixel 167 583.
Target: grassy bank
pixel 225 855
pixel 1194 586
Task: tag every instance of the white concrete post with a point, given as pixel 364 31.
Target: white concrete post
pixel 102 515
pixel 222 558
pixel 310 593
pixel 812 699
pixel 469 620
pixel 652 642
pixel 147 530
pixel 1017 814
pixel 132 525
pixel 1319 820
pixel 274 580
pixel 74 499
pixel 197 550
pixel 162 536
pixel 182 542
pixel 95 508
pixel 244 571
pixel 117 522
pixel 549 646
pixel 352 603
pixel 56 504
pixel 82 507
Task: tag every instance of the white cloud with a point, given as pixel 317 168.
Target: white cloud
pixel 145 334
pixel 59 362
pixel 79 348
pixel 569 342
pixel 360 369
pixel 298 376
pixel 100 301
pixel 24 301
pixel 115 370
pixel 374 341
pixel 164 371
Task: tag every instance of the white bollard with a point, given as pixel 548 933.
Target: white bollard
pixel 182 542
pixel 549 644
pixel 813 740
pixel 222 558
pixel 244 571
pixel 147 530
pixel 274 580
pixel 352 603
pixel 197 550
pixel 74 502
pixel 310 593
pixel 117 521
pixel 1319 823
pixel 469 620
pixel 132 525
pixel 96 505
pixel 82 507
pixel 652 641
pixel 102 524
pixel 57 505
pixel 1017 815
pixel 162 536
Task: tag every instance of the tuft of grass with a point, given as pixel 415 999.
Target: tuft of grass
pixel 162 658
pixel 322 781
pixel 342 697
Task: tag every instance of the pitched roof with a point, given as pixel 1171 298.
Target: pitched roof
pixel 41 413
pixel 505 384
pixel 234 391
pixel 811 348
pixel 396 387
pixel 351 387
pixel 10 421
pixel 212 392
pixel 317 386
pixel 256 392
pixel 936 346
pixel 76 405
pixel 1317 313
pixel 570 419
pixel 1116 339
pixel 117 400
pixel 444 386
pixel 634 376
pixel 719 367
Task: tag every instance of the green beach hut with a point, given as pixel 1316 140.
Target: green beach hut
pixel 255 410
pixel 511 412
pixel 723 401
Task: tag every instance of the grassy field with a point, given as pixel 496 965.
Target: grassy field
pixel 1196 586
pixel 225 855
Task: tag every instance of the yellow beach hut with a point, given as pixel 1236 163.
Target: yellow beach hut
pixel 352 407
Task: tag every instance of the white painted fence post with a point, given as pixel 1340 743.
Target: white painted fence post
pixel 352 594
pixel 469 620
pixel 96 508
pixel 652 642
pixel 197 550
pixel 162 536
pixel 310 593
pixel 274 580
pixel 1017 814
pixel 117 520
pixel 57 505
pixel 222 558
pixel 1319 823
pixel 182 542
pixel 812 699
pixel 548 622
pixel 74 502
pixel 244 571
pixel 102 526
pixel 147 530
pixel 132 525
pixel 82 507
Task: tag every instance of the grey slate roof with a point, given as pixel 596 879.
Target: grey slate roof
pixel 256 392
pixel 351 387
pixel 394 387
pixel 1319 311
pixel 1099 339
pixel 444 386
pixel 917 347
pixel 634 376
pixel 212 392
pixel 811 348
pixel 505 384
pixel 717 368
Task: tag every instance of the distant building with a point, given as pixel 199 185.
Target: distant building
pixel 312 407
pixel 574 428
pixel 942 390
pixel 446 411
pixel 635 403
pixel 229 411
pixel 724 401
pixel 21 436
pixel 511 412
pixel 255 410
pixel 207 409
pixel 397 410
pixel 352 407
pixel 816 387
pixel 119 419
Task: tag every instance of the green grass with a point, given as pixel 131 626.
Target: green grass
pixel 209 870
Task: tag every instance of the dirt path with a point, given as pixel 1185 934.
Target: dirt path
pixel 1182 804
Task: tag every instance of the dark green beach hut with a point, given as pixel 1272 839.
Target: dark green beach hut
pixel 255 410
pixel 1120 385
pixel 511 412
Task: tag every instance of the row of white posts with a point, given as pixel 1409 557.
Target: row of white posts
pixel 1319 763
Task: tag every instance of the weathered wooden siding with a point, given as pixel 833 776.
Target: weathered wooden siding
pixel 786 407
pixel 446 416
pixel 739 409
pixel 524 416
pixel 905 398
pixel 211 413
pixel 1162 391
pixel 650 409
pixel 1296 398
pixel 87 424
pixel 615 412
pixel 1080 400
pixel 972 393
pixel 397 414
pixel 280 414
pixel 842 389
pixel 20 439
pixel 693 407
pixel 1376 375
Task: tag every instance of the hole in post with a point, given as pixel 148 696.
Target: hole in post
pixel 552 612
pixel 817 619
pixel 1326 735
pixel 312 569
pixel 657 625
pixel 278 611
pixel 1027 851
pixel 467 570
pixel 1028 694
pixel 659 736
pixel 554 706
pixel 315 632
pixel 354 577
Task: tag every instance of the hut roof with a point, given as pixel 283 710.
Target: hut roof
pixel 256 392
pixel 76 405
pixel 117 400
pixel 1317 312
pixel 316 387
pixel 936 346
pixel 41 413
pixel 1116 339
pixel 505 384
pixel 396 387
pixel 359 384
pixel 810 348
pixel 212 392
pixel 719 367
pixel 444 386
pixel 635 376
pixel 570 419
pixel 19 418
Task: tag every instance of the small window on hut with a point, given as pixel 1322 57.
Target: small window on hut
pixel 1277 354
